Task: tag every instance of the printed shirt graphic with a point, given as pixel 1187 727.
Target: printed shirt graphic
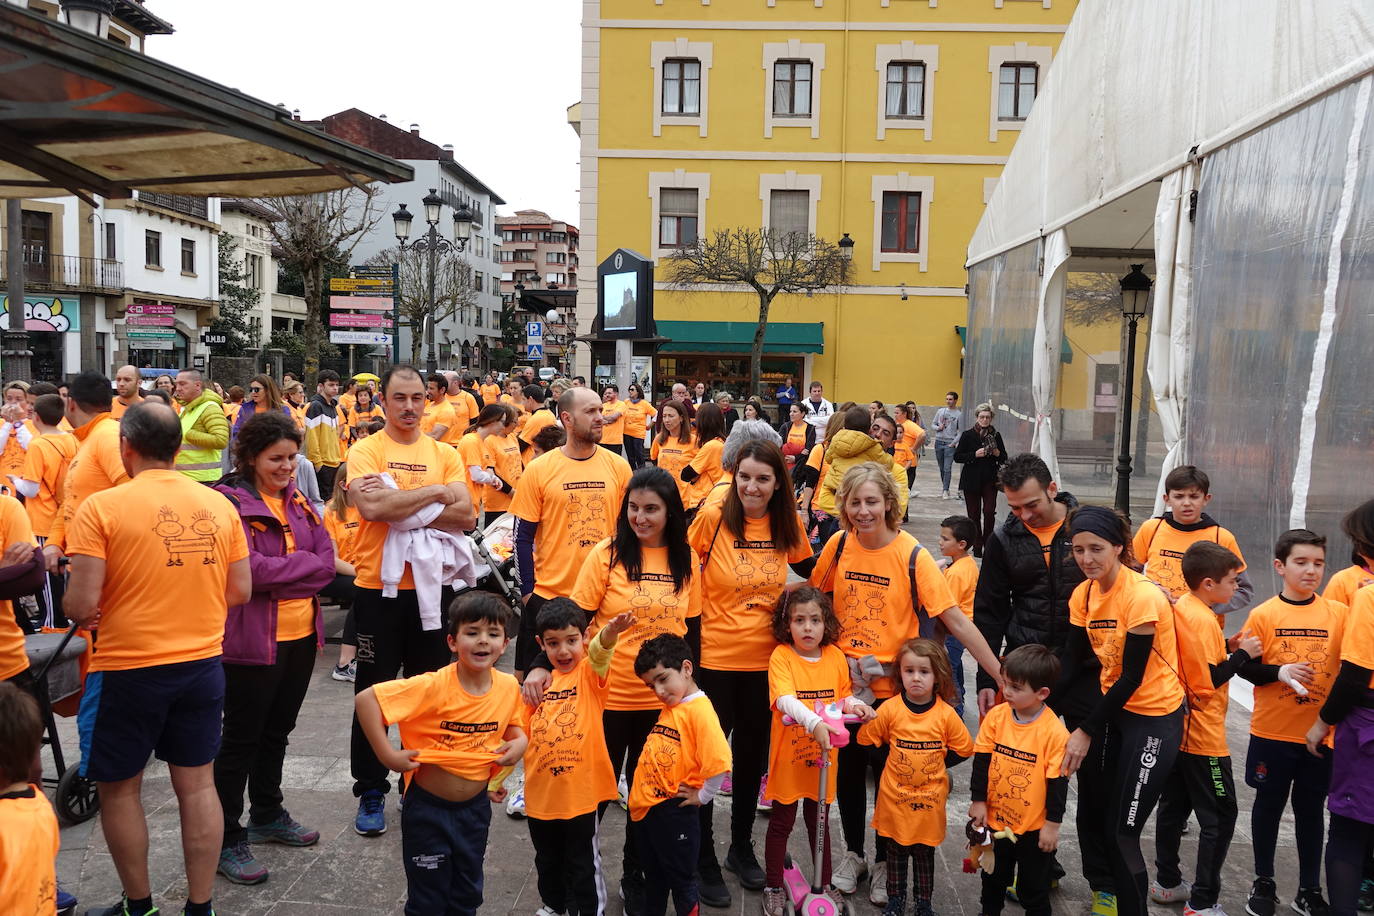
pixel 1201 644
pixel 741 583
pixel 872 596
pixel 606 592
pixel 28 847
pixel 1292 633
pixel 915 784
pixel 962 578
pixel 420 464
pixel 1024 757
pixel 672 456
pixel 1357 639
pixel 46 464
pixel 167 543
pixel 685 747
pixel 1161 546
pixel 1343 585
pixel 793 755
pixel 14 526
pixel 567 768
pixel 575 503
pixel 490 393
pixel 451 728
pixel 1132 601
pixel 95 467
pixel 295 616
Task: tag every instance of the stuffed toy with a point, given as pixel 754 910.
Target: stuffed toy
pixel 980 847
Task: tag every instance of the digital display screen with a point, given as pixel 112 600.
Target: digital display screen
pixel 621 308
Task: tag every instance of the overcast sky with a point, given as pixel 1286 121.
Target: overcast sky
pixel 493 79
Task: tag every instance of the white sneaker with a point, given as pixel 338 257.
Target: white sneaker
pixel 877 884
pixel 515 805
pixel 944 495
pixel 623 796
pixel 546 911
pixel 850 871
pixel 1168 895
pixel 1205 911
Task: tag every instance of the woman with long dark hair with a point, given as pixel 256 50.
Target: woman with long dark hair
pixel 753 410
pixel 981 452
pixel 674 447
pixel 798 437
pixel 705 468
pixel 263 396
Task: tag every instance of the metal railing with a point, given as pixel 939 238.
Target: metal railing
pixel 177 203
pixel 66 272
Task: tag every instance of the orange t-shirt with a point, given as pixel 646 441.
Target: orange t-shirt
pixel 717 494
pixel 420 464
pixel 1160 547
pixel 796 434
pixel 606 592
pixel 872 595
pixel 567 767
pixel 12 458
pixel 295 616
pixel 1023 758
pixel 1343 585
pixel 1046 538
pixel 962 578
pixel 575 504
pixel 792 752
pixel 490 393
pixel 452 729
pixel 672 455
pixel 343 532
pixel 536 423
pixel 95 467
pixel 685 747
pixel 741 581
pixel 464 412
pixel 472 453
pixel 14 527
pixel 118 407
pixel 915 784
pixel 1357 639
pixel 46 464
pixel 1290 632
pixel 1201 644
pixel 706 462
pixel 904 453
pixel 637 416
pixel 1132 601
pixel 613 431
pixel 28 852
pixel 167 543
pixel 503 455
pixel 440 414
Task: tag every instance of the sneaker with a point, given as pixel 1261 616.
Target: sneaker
pixel 348 672
pixel 1104 904
pixel 1214 910
pixel 1309 902
pixel 727 786
pixel 764 804
pixel 120 909
pixel 877 884
pixel 546 911
pixel 850 872
pixel 944 494
pixel 515 805
pixel 745 865
pixel 1263 898
pixel 711 889
pixel 66 902
pixel 623 793
pixel 896 906
pixel 923 908
pixel 1365 903
pixel 186 910
pixel 283 830
pixel 774 901
pixel 371 819
pixel 837 898
pixel 237 865
pixel 632 895
pixel 1167 895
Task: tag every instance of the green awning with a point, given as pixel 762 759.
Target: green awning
pixel 1065 348
pixel 738 336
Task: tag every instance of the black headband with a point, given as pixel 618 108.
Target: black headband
pixel 1098 520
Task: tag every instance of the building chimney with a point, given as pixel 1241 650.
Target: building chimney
pixel 415 129
pixel 448 151
pixel 295 114
pixel 381 117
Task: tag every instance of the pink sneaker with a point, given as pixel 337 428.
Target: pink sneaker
pixel 728 786
pixel 764 804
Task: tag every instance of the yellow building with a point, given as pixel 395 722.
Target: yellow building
pixel 888 120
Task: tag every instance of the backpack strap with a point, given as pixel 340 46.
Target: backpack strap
pixel 834 564
pixel 928 627
pixel 712 545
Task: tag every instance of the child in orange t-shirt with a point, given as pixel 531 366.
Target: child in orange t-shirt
pixel 28 827
pixel 957 537
pixel 805 669
pixel 460 735
pixel 925 738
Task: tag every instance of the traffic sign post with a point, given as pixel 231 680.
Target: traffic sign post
pixel 534 351
pixel 360 337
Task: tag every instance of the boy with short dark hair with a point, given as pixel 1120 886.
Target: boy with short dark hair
pixel 682 766
pixel 568 771
pixel 958 534
pixel 1201 780
pixel 1017 783
pixel 28 827
pixel 459 728
pixel 1300 637
pixel 1161 542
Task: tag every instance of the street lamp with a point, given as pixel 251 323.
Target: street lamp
pixel 432 243
pixel 1135 297
pixel 847 247
pixel 92 16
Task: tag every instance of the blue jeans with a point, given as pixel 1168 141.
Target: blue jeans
pixel 956 663
pixel 944 457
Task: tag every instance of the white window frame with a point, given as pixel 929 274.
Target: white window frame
pixel 1019 53
pixel 898 53
pixel 790 181
pixel 906 183
pixel 659 51
pixel 793 49
pixel 998 4
pixel 886 3
pixel 679 178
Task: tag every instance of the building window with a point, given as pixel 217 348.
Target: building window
pixel 556 257
pixel 906 89
pixel 901 222
pixel 479 281
pixel 792 88
pixel 677 217
pixel 188 256
pixel 789 212
pixel 1016 90
pixel 681 87
pixel 111 253
pixel 252 271
pixel 152 248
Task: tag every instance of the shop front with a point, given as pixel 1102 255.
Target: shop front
pixel 717 353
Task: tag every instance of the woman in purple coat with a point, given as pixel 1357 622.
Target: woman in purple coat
pixel 270 642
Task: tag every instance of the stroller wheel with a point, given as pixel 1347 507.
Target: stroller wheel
pixel 77 800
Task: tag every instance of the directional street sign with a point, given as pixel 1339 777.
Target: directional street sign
pixel 534 351
pixel 359 337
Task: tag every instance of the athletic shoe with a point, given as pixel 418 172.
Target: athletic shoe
pixel 1167 895
pixel 186 911
pixel 1366 901
pixel 515 805
pixel 546 911
pixel 348 672
pixel 774 901
pixel 711 889
pixel 66 903
pixel 237 865
pixel 745 865
pixel 923 908
pixel 1309 902
pixel 877 884
pixel 896 906
pixel 121 909
pixel 623 793
pixel 1263 898
pixel 764 804
pixel 727 787
pixel 283 830
pixel 371 819
pixel 1104 904
pixel 1214 910
pixel 632 894
pixel 944 494
pixel 850 872
pixel 837 897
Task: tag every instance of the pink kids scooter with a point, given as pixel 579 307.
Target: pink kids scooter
pixel 809 898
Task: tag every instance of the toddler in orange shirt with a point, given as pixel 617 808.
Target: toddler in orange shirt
pixel 805 669
pixel 28 827
pixel 957 536
pixel 925 737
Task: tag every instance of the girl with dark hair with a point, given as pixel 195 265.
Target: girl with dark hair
pixel 263 396
pixel 674 448
pixel 746 544
pixel 753 410
pixel 798 436
pixel 364 409
pixel 478 457
pixel 702 472
pixel 269 642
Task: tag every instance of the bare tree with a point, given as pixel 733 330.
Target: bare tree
pixel 766 262
pixel 453 290
pixel 1092 298
pixel 315 231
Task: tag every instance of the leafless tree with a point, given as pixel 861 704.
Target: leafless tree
pixel 761 260
pixel 1092 298
pixel 453 290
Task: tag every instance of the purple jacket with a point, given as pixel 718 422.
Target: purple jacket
pixel 250 632
pixel 246 413
pixel 1352 775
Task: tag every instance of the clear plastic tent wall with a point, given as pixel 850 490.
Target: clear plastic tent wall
pixel 1000 351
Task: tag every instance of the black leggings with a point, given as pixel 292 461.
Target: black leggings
pixel 626 731
pixel 741 701
pixel 854 762
pixel 634 452
pixel 1271 769
pixel 1346 849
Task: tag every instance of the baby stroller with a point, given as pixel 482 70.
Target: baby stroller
pixel 55 660
pixel 494 547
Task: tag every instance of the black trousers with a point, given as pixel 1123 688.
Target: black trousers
pixel 443 844
pixel 634 452
pixel 612 448
pixel 325 475
pixel 741 701
pixel 261 703
pixel 668 837
pixel 526 649
pixel 1076 701
pixel 1203 785
pixel 390 640
pixel 1273 769
pixel 626 731
pixel 1022 860
pixel 981 505
pixel 1345 856
pixel 854 761
pixel 567 863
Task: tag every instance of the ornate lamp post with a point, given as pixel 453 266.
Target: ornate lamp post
pixel 1135 297
pixel 432 243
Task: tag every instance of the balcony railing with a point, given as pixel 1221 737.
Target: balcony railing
pixel 177 203
pixel 66 272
